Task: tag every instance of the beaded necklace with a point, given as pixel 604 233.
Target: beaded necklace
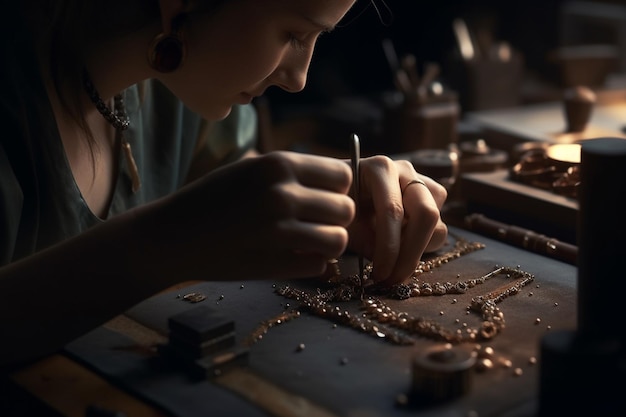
pixel 118 118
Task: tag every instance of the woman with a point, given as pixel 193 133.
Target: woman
pixel 106 109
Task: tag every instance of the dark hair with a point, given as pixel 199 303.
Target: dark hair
pixel 65 28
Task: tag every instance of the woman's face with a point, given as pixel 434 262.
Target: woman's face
pixel 235 54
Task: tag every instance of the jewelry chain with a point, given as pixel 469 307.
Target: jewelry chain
pixel 381 321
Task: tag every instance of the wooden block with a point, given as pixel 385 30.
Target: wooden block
pixel 493 194
pixel 200 324
pixel 199 350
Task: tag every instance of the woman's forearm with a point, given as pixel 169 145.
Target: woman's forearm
pixel 58 294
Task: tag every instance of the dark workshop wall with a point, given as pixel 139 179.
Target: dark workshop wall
pixel 351 59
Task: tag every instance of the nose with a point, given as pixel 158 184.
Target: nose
pixel 291 74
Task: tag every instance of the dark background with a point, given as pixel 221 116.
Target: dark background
pixel 351 60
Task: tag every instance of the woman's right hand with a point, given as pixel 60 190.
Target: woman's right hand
pixel 280 215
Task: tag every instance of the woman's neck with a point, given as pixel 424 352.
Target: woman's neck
pixel 117 63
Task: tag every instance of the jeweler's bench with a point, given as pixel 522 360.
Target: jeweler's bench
pixel 310 367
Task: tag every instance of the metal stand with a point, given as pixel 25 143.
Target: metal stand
pixel 583 370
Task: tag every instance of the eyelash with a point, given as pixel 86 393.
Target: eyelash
pixel 300 44
pixel 297 43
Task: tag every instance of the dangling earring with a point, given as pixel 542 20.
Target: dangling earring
pixel 167 51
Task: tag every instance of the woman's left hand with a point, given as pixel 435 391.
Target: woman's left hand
pixel 399 218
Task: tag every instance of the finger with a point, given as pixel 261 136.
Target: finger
pixel 406 172
pixel 322 172
pixel 380 177
pixel 326 241
pixel 438 239
pixel 421 219
pixel 320 206
pixel 438 191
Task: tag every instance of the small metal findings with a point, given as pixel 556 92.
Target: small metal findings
pixel 300 347
pixel 402 291
pixel 332 271
pixel 484 364
pixel 485 352
pixel 505 363
pixel 488 330
pixel 194 297
pixel 442 373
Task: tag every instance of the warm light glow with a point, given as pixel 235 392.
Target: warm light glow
pixel 566 152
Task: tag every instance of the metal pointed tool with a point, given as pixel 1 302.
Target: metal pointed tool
pixel 355 158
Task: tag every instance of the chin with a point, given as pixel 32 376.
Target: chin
pixel 217 114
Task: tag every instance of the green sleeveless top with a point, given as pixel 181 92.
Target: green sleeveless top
pixel 40 203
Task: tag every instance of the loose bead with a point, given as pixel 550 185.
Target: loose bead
pixel 484 365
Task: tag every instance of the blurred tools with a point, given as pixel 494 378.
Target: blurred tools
pixel 522 238
pixel 578 105
pixel 463 39
pixel 426 114
pixel 406 78
pixel 486 72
